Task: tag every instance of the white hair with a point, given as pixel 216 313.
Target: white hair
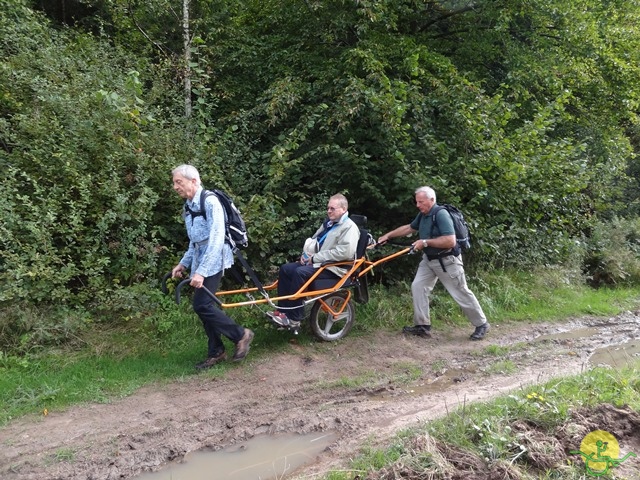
pixel 187 171
pixel 428 191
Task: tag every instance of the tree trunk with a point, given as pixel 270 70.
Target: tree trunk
pixel 187 58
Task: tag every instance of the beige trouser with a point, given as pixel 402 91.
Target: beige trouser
pixel 454 280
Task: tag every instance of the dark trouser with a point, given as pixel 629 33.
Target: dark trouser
pixel 291 277
pixel 214 320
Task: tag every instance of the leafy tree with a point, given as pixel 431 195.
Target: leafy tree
pixel 522 114
pixel 491 105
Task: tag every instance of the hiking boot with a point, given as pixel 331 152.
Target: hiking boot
pixel 242 347
pixel 280 318
pixel 211 361
pixel 419 330
pixel 480 331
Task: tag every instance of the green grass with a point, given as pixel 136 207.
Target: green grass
pixel 64 455
pixel 54 381
pixel 497 350
pixel 438 365
pixel 499 432
pixel 505 367
pixel 112 363
pixel 505 296
pixel 161 342
pixel 548 294
pixel 398 373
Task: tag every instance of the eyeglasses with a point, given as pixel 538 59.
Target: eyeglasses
pixel 332 209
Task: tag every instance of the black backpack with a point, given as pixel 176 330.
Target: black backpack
pixel 463 236
pixel 235 228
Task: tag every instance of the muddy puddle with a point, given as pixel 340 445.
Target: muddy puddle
pixel 441 382
pixel 569 335
pixel 617 356
pixel 263 457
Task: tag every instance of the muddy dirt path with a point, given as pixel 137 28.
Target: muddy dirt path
pixel 360 388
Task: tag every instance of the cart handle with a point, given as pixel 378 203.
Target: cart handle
pixel 396 244
pixel 165 290
pixel 185 282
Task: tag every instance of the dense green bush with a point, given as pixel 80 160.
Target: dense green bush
pixel 80 206
pixel 524 116
pixel 612 253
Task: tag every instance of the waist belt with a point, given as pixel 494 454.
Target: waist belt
pixel 201 242
pixel 448 253
pixel 439 257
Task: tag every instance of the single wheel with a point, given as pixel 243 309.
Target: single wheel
pixel 332 317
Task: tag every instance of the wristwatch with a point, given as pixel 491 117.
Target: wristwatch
pixel 424 243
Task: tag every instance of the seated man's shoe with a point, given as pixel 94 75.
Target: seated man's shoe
pixel 480 331
pixel 279 318
pixel 419 330
pixel 211 361
pixel 242 347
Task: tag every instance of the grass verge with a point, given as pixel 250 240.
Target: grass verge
pixel 534 433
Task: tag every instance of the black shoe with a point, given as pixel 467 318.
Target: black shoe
pixel 419 330
pixel 211 361
pixel 480 331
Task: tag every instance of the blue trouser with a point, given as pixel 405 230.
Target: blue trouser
pixel 291 277
pixel 216 323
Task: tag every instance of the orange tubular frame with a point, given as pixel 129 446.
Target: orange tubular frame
pixel 359 268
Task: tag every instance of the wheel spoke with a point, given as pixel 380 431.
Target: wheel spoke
pixel 328 325
pixel 342 316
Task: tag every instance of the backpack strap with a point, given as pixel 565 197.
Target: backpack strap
pixel 203 211
pixel 434 214
pixel 434 218
pixel 455 251
pixel 203 199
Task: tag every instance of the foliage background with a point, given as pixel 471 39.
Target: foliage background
pixel 523 114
